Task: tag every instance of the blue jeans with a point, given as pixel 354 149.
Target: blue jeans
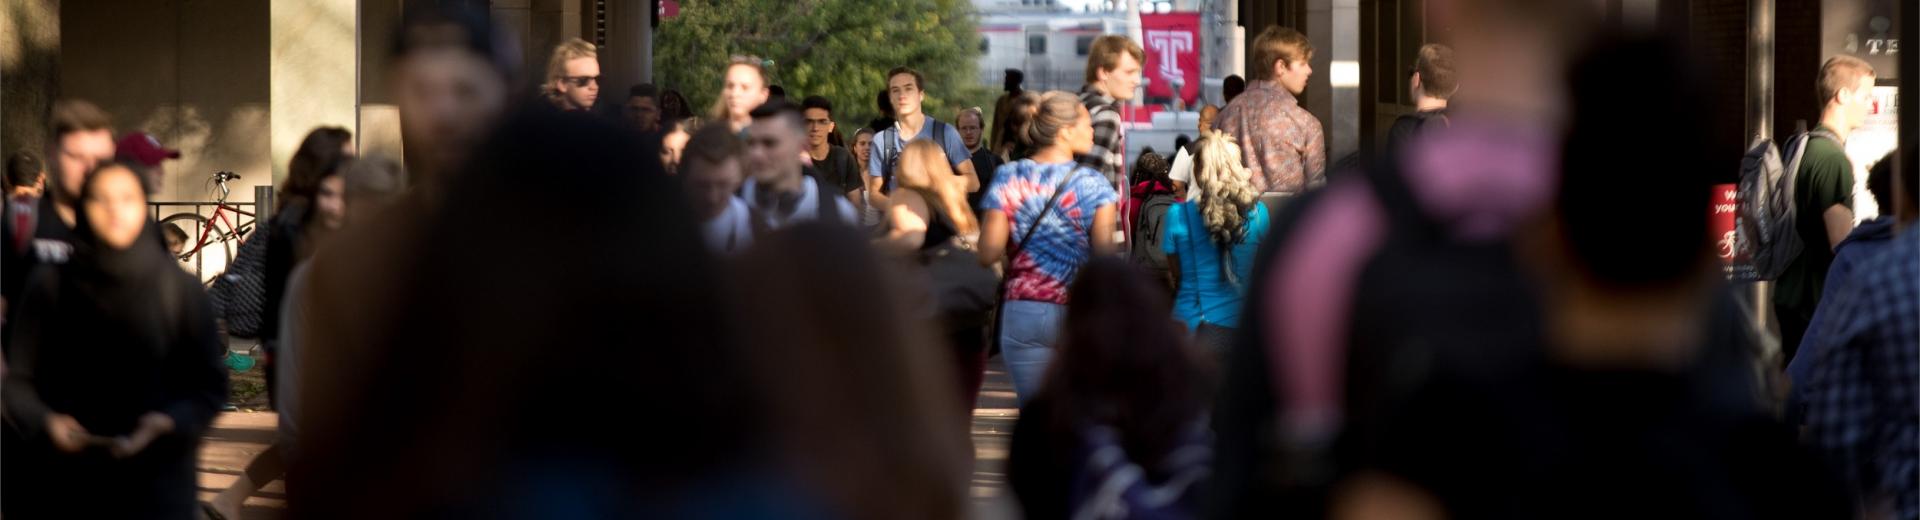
pixel 1027 332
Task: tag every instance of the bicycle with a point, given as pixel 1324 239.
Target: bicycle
pixel 219 235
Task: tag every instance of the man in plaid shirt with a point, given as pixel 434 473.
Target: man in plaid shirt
pixel 1861 408
pixel 1113 74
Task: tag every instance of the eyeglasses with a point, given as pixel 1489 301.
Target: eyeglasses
pixel 819 122
pixel 581 81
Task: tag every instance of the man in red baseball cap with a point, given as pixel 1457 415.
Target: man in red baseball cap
pixel 146 154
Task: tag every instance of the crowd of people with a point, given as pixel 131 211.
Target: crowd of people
pixel 569 306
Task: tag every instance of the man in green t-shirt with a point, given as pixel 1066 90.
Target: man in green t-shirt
pixel 1823 195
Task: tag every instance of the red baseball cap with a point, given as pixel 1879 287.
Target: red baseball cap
pixel 144 148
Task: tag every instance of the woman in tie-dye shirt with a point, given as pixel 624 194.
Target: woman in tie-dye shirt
pixel 1076 226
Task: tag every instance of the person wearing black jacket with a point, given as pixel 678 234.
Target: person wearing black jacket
pixel 313 174
pixel 115 371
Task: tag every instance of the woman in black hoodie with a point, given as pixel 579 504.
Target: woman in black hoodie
pixel 115 370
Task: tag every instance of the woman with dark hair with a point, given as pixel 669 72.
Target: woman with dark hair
pixel 1045 214
pixel 313 206
pixel 311 203
pixel 1120 422
pixel 318 154
pixel 114 370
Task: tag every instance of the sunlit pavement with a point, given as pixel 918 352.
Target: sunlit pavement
pixel 232 442
pixel 237 436
pixel 993 418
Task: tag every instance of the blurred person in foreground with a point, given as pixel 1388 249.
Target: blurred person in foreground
pixel 312 207
pixel 778 187
pixel 80 137
pixel 508 385
pixel 1855 374
pixel 711 173
pixel 1211 242
pixel 930 218
pixel 863 414
pixel 1118 429
pixel 114 371
pixel 1362 284
pixel 371 184
pixel 1045 215
pixel 1638 399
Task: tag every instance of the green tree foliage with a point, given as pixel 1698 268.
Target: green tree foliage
pixel 840 49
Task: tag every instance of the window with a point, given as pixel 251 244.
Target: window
pixel 1081 45
pixel 1037 44
pixel 983 46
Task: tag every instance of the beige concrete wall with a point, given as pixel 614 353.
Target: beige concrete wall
pixel 538 25
pixel 314 72
pixel 29 71
pixel 194 73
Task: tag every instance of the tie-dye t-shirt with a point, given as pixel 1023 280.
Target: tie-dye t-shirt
pixel 1043 268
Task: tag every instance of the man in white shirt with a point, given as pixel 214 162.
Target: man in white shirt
pixel 1182 173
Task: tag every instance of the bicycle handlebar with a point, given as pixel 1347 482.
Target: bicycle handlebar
pixel 225 176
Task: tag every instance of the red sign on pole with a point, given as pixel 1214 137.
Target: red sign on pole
pixel 1173 54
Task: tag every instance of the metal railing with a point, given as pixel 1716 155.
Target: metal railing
pixel 212 257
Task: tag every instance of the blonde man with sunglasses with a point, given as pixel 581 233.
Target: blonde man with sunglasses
pixel 573 75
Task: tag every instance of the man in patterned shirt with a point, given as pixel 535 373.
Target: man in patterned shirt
pixel 1113 74
pixel 1862 411
pixel 1281 142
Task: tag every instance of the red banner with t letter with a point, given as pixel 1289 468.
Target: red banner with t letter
pixel 1173 55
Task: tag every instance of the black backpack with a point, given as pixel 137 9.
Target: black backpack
pixel 1147 231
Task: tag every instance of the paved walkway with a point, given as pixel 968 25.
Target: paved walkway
pixel 237 436
pixel 993 417
pixel 233 441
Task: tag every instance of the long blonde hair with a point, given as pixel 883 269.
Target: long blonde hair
pixel 1226 193
pixel 925 170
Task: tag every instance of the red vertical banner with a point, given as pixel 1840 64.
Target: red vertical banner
pixel 1173 54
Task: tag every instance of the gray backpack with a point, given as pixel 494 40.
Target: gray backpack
pixel 1766 232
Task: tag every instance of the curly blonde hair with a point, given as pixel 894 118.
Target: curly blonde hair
pixel 1226 192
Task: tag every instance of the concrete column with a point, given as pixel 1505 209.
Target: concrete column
pixel 314 72
pixel 1333 93
pixel 628 56
pixel 29 72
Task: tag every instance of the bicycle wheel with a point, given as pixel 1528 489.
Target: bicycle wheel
pixel 193 252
